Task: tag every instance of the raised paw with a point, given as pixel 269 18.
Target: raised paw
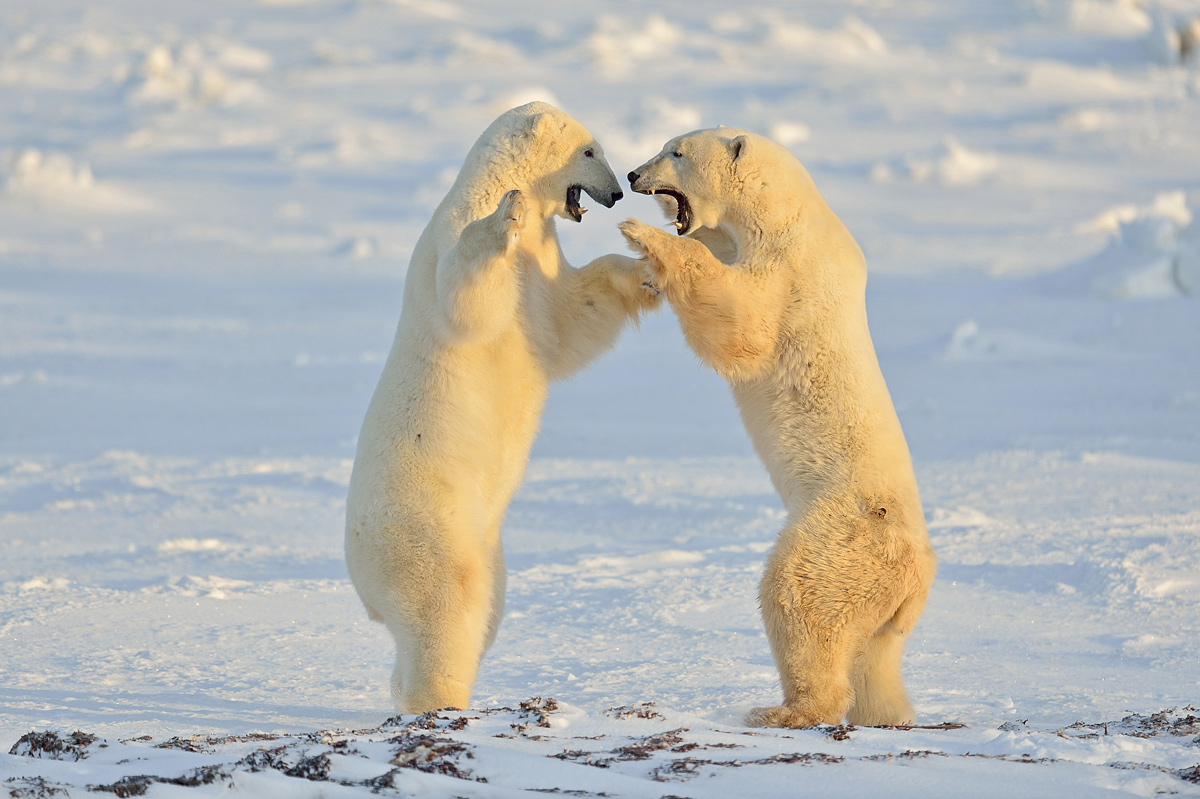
pixel 779 716
pixel 640 236
pixel 510 215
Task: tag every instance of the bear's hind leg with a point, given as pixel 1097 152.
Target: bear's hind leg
pixel 879 696
pixel 813 646
pixel 814 670
pixel 436 673
pixel 440 642
pixel 397 684
pixel 499 584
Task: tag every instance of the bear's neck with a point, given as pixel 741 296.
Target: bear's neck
pixel 539 239
pixel 809 241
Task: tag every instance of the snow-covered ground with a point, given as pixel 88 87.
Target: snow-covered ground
pixel 205 214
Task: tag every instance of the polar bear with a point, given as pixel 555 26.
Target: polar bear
pixel 769 288
pixel 492 313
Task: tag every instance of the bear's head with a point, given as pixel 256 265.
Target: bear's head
pixel 709 176
pixel 546 152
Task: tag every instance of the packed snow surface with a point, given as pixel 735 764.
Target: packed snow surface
pixel 205 214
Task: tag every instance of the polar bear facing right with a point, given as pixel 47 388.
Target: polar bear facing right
pixel 492 314
pixel 769 288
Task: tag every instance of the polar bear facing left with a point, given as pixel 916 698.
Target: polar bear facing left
pixel 770 290
pixel 492 314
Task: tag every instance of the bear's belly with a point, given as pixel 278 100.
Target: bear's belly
pixel 447 426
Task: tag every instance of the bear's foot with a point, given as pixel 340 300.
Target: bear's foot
pixel 783 716
pixel 899 716
pixel 439 694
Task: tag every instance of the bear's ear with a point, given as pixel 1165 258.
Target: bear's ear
pixel 738 147
pixel 541 124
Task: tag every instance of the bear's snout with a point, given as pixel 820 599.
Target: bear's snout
pixel 633 176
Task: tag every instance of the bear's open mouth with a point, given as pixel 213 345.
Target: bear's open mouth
pixel 573 209
pixel 683 216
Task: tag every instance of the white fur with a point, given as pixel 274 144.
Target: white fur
pixel 769 288
pixel 492 314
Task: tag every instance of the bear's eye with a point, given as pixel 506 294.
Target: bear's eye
pixel 589 153
pixel 677 154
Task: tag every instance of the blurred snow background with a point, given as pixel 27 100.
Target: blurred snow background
pixel 205 214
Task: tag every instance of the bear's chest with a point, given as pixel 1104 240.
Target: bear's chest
pixel 540 284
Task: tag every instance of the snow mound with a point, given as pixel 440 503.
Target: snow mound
pixel 618 45
pixel 961 516
pixel 1087 120
pixel 1154 250
pixel 194 74
pixel 353 144
pixel 55 182
pixel 853 40
pixel 957 166
pixel 1109 18
pixel 644 129
pixel 37 377
pixel 789 133
pixel 952 165
pixel 468 48
pixel 178 545
pixel 210 586
pixel 1072 83
pixel 969 343
pixel 40 583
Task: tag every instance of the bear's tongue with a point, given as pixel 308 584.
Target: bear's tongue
pixel 573 209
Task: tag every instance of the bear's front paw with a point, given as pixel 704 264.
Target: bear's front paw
pixel 648 286
pixel 641 237
pixel 634 281
pixel 642 286
pixel 510 215
pixel 780 716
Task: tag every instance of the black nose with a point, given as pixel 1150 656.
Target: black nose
pixel 618 194
pixel 633 176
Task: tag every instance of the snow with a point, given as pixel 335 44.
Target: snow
pixel 205 213
pixel 1155 251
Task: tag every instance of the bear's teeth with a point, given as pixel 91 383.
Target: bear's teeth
pixel 678 224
